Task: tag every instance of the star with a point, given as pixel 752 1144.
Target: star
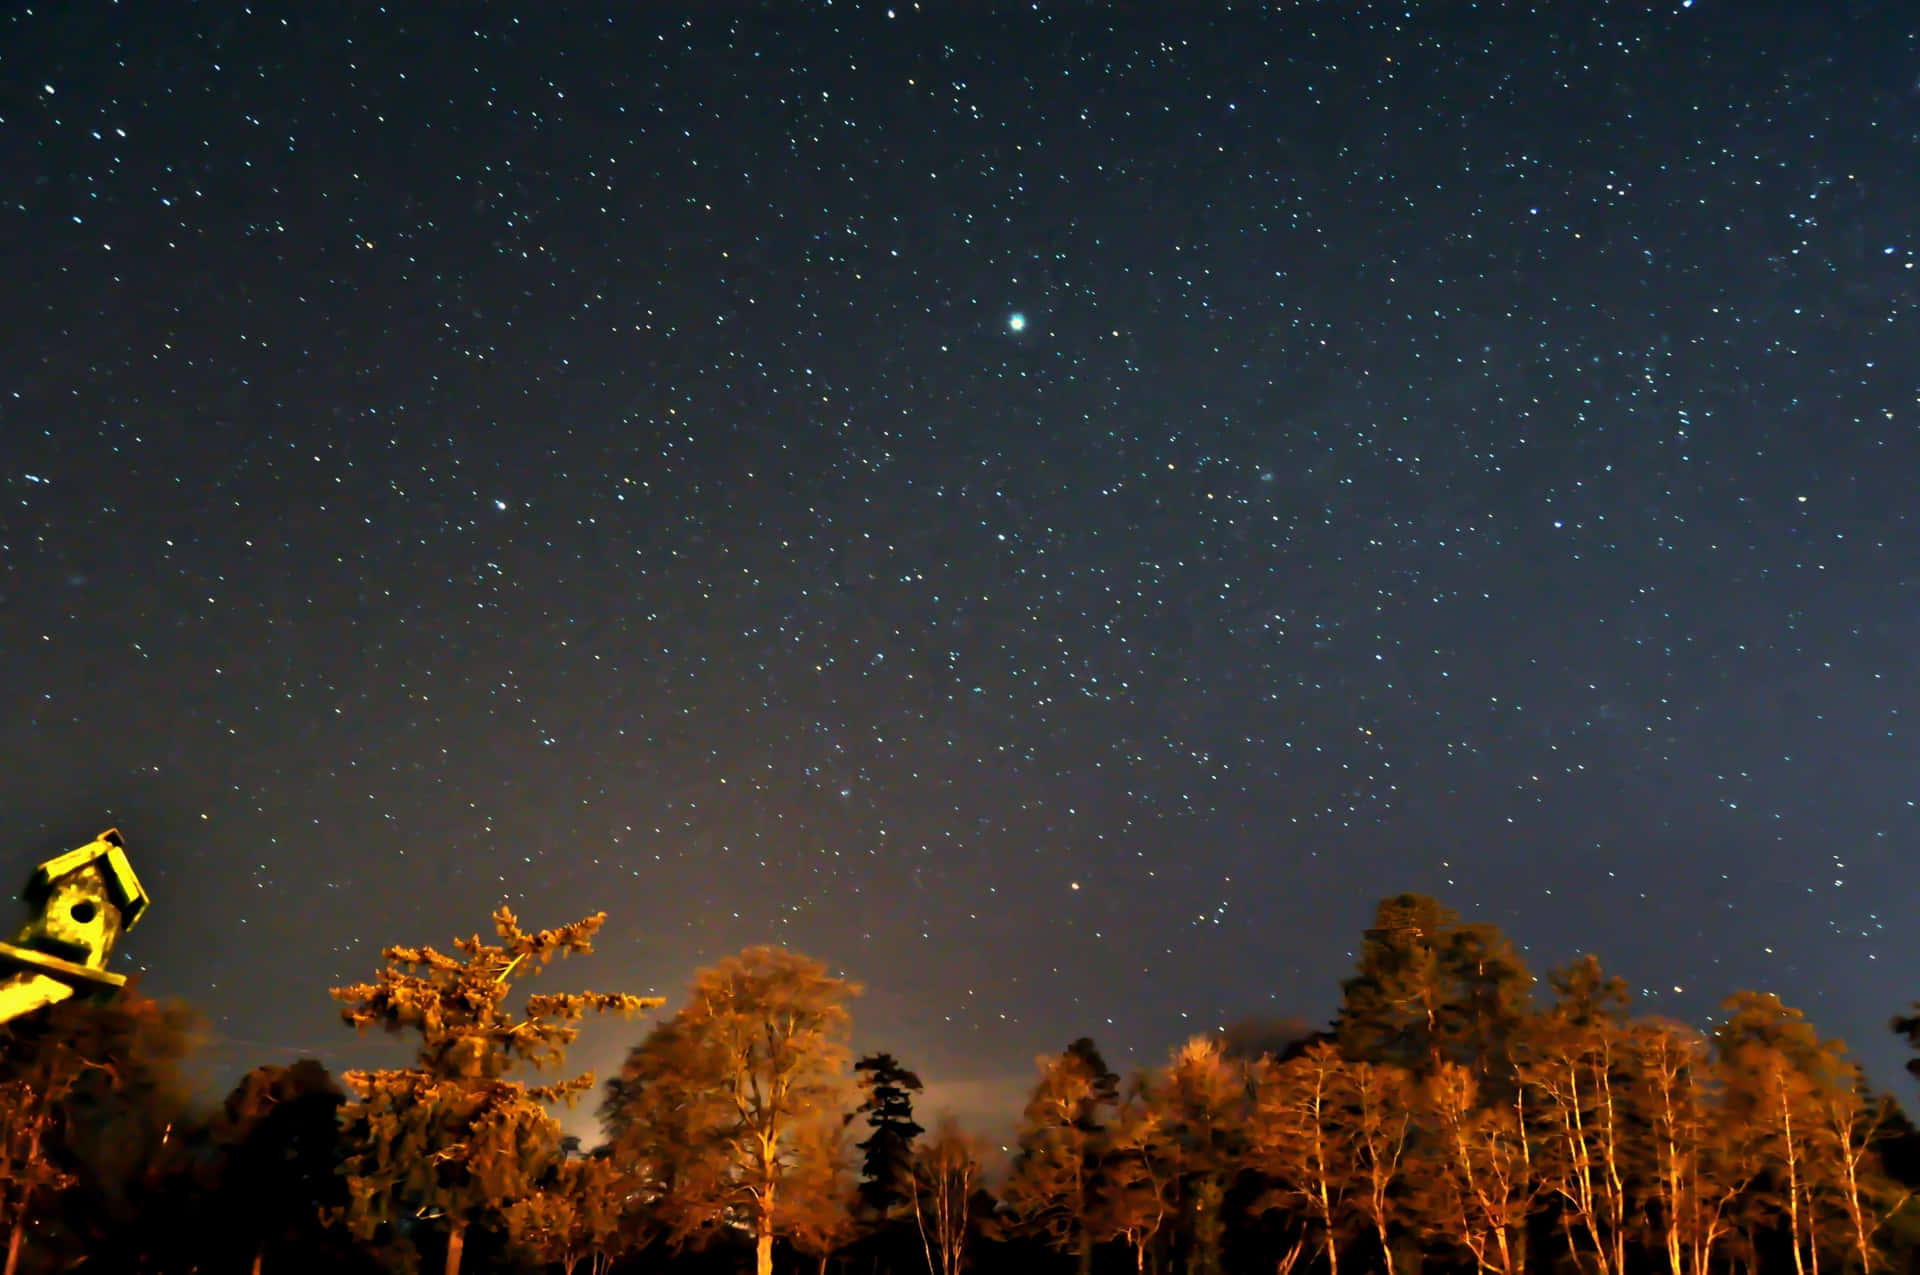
pixel 1016 322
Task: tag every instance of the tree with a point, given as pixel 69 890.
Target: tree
pixel 1302 1144
pixel 1137 1177
pixel 278 1141
pixel 945 1169
pixel 1849 1124
pixel 1779 1072
pixel 1202 1099
pixel 708 1109
pixel 451 1137
pixel 886 1166
pixel 574 1216
pixel 83 1083
pixel 1574 1062
pixel 1694 1167
pixel 1475 1180
pixel 1431 990
pixel 1909 1026
pixel 822 1190
pixel 1381 1101
pixel 669 1122
pixel 28 1172
pixel 1054 1192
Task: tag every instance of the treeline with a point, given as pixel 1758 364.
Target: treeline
pixel 1451 1120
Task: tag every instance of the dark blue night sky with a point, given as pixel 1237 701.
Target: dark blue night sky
pixel 1052 512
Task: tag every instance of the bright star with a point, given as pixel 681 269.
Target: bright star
pixel 1016 322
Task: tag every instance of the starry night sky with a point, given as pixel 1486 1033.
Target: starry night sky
pixel 1053 512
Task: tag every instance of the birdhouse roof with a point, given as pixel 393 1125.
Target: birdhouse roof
pixel 108 853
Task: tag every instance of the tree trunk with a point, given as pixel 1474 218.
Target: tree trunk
pixel 456 1241
pixel 259 1255
pixel 1793 1177
pixel 19 1233
pixel 763 1251
pixel 13 1240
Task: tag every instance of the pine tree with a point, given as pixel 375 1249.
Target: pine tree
pixel 886 1165
pixel 450 1137
pixel 1431 990
pixel 1909 1026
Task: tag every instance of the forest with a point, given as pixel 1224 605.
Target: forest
pixel 1453 1119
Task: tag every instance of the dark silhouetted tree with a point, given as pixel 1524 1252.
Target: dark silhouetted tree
pixel 1909 1026
pixel 277 1138
pixel 886 1163
pixel 91 1092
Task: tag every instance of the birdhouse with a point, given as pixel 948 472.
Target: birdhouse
pixel 82 902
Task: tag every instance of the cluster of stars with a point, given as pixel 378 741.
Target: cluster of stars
pixel 1049 504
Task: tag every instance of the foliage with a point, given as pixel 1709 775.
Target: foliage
pixel 450 1137
pixel 886 1166
pixel 91 1092
pixel 709 1110
pixel 820 1202
pixel 1055 1192
pixel 277 1138
pixel 1430 990
pixel 1908 1025
pixel 1447 1127
pixel 574 1215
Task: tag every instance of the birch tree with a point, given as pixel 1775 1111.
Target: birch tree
pixel 946 1172
pixel 1475 1176
pixel 1380 1098
pixel 1575 1062
pixel 1695 1167
pixel 1778 1073
pixel 1302 1144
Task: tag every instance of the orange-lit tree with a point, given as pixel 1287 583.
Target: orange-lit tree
pixel 451 1137
pixel 1056 1192
pixel 708 1111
